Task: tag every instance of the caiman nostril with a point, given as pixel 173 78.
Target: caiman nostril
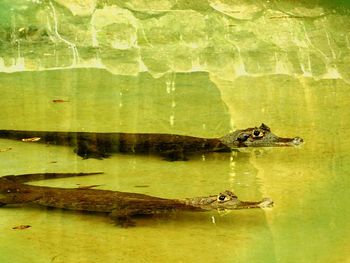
pixel 298 140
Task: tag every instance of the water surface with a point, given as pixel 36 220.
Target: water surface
pixel 309 184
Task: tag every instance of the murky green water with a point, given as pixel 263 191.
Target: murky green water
pixel 310 219
pixel 228 65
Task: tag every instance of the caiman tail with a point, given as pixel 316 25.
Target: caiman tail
pixel 23 178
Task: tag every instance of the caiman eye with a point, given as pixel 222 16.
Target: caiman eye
pixel 222 198
pixel 257 134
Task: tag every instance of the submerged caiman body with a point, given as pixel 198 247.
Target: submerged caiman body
pixel 172 146
pixel 120 205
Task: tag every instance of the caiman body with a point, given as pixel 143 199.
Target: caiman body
pixel 172 146
pixel 120 205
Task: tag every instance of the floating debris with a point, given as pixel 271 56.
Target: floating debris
pixel 59 100
pixel 33 139
pixel 21 227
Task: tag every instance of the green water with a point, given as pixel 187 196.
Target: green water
pixel 309 184
pixel 200 68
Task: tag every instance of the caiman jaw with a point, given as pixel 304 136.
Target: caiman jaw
pixel 289 142
pixel 266 202
pixel 226 201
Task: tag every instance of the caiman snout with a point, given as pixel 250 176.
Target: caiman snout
pixel 287 141
pixel 266 202
pixel 298 141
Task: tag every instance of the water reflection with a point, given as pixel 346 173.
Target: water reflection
pixel 99 101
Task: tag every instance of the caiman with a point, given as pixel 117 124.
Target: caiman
pixel 172 146
pixel 121 206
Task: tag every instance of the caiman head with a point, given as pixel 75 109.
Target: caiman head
pixel 258 137
pixel 226 201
